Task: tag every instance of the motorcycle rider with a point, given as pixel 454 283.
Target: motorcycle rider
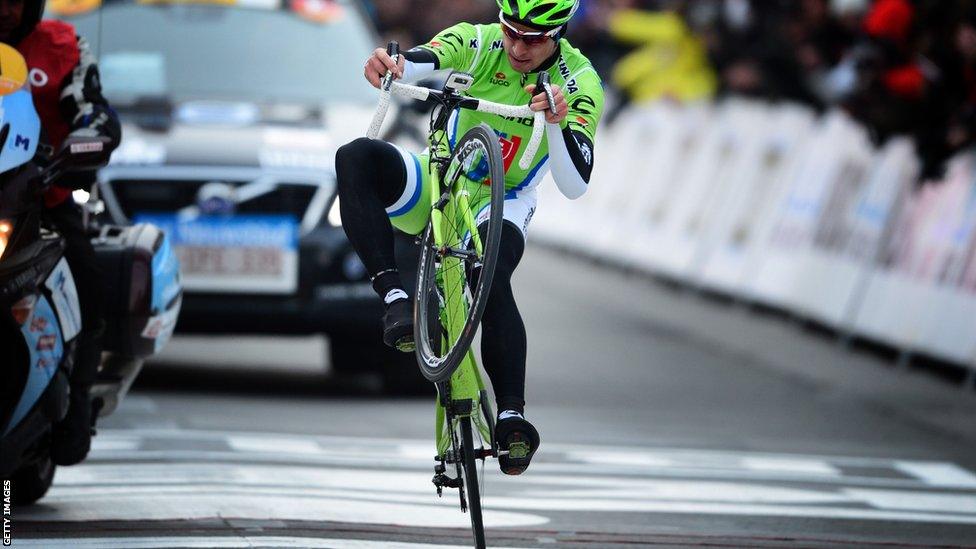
pixel 67 95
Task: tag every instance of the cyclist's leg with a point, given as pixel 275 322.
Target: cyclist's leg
pixel 503 340
pixel 382 186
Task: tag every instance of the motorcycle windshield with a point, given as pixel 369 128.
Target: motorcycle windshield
pixel 20 127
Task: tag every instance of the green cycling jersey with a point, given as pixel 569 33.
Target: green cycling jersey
pixel 479 50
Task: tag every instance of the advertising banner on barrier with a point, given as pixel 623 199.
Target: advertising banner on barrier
pixel 768 204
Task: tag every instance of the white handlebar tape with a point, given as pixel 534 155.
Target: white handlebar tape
pixel 379 115
pixel 421 94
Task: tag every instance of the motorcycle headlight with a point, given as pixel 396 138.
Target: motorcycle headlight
pixel 6 229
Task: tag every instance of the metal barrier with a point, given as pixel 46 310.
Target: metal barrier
pixel 773 205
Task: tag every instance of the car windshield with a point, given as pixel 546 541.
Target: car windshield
pixel 203 52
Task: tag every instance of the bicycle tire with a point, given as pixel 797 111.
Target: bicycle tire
pixel 429 334
pixel 471 485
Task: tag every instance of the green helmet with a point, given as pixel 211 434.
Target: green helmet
pixel 541 13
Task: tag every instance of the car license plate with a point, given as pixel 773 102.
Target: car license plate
pixel 238 254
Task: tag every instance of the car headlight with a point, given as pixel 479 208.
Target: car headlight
pixel 6 229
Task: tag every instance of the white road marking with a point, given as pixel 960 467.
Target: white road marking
pixel 293 477
pixel 224 542
pixel 276 445
pixel 948 475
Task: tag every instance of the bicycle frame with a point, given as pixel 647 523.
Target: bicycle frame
pixel 463 394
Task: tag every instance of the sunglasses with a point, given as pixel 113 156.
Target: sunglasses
pixel 531 38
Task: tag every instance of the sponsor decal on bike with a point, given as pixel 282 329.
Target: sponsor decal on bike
pixel 500 80
pixel 38 324
pixel 46 343
pixel 45 348
pixel 65 296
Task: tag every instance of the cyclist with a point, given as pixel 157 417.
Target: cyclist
pixel 380 183
pixel 68 98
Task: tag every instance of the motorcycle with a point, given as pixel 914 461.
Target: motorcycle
pixel 40 315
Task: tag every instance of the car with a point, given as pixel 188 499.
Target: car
pixel 231 114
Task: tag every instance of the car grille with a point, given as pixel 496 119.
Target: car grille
pixel 158 196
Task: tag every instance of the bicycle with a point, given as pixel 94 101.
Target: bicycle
pixel 457 261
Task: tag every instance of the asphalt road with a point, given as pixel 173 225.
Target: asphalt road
pixel 667 419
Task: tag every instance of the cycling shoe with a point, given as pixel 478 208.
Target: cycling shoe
pixel 398 325
pixel 518 439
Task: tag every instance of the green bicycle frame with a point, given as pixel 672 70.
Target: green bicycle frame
pixel 466 383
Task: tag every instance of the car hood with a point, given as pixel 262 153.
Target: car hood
pixel 241 135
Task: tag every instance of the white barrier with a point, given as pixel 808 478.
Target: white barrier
pixel 773 205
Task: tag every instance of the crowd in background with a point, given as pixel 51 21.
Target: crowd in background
pixel 898 66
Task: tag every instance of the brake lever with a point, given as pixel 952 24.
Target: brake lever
pixel 393 50
pixel 542 85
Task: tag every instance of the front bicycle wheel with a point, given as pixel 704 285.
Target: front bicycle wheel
pixel 454 276
pixel 471 485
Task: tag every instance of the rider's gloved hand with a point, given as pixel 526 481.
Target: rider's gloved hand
pixel 87 149
pixel 377 64
pixel 540 103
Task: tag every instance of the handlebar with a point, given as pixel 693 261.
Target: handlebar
pixel 389 87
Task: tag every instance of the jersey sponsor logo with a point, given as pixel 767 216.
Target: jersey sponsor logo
pixel 499 79
pixel 579 102
pixel 525 224
pixel 571 85
pixel 434 44
pixel 453 39
pixel 473 43
pixel 525 121
pixel 497 45
pixel 581 121
pixel 510 146
pixel 586 152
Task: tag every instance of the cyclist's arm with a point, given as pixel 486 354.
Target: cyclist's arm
pixel 571 141
pixel 570 160
pixel 453 48
pixel 418 64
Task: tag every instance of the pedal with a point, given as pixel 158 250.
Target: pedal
pixel 518 450
pixel 406 344
pixel 444 481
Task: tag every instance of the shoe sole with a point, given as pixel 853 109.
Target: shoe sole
pixel 519 455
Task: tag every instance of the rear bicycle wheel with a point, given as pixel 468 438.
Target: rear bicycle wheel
pixel 471 486
pixel 476 166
